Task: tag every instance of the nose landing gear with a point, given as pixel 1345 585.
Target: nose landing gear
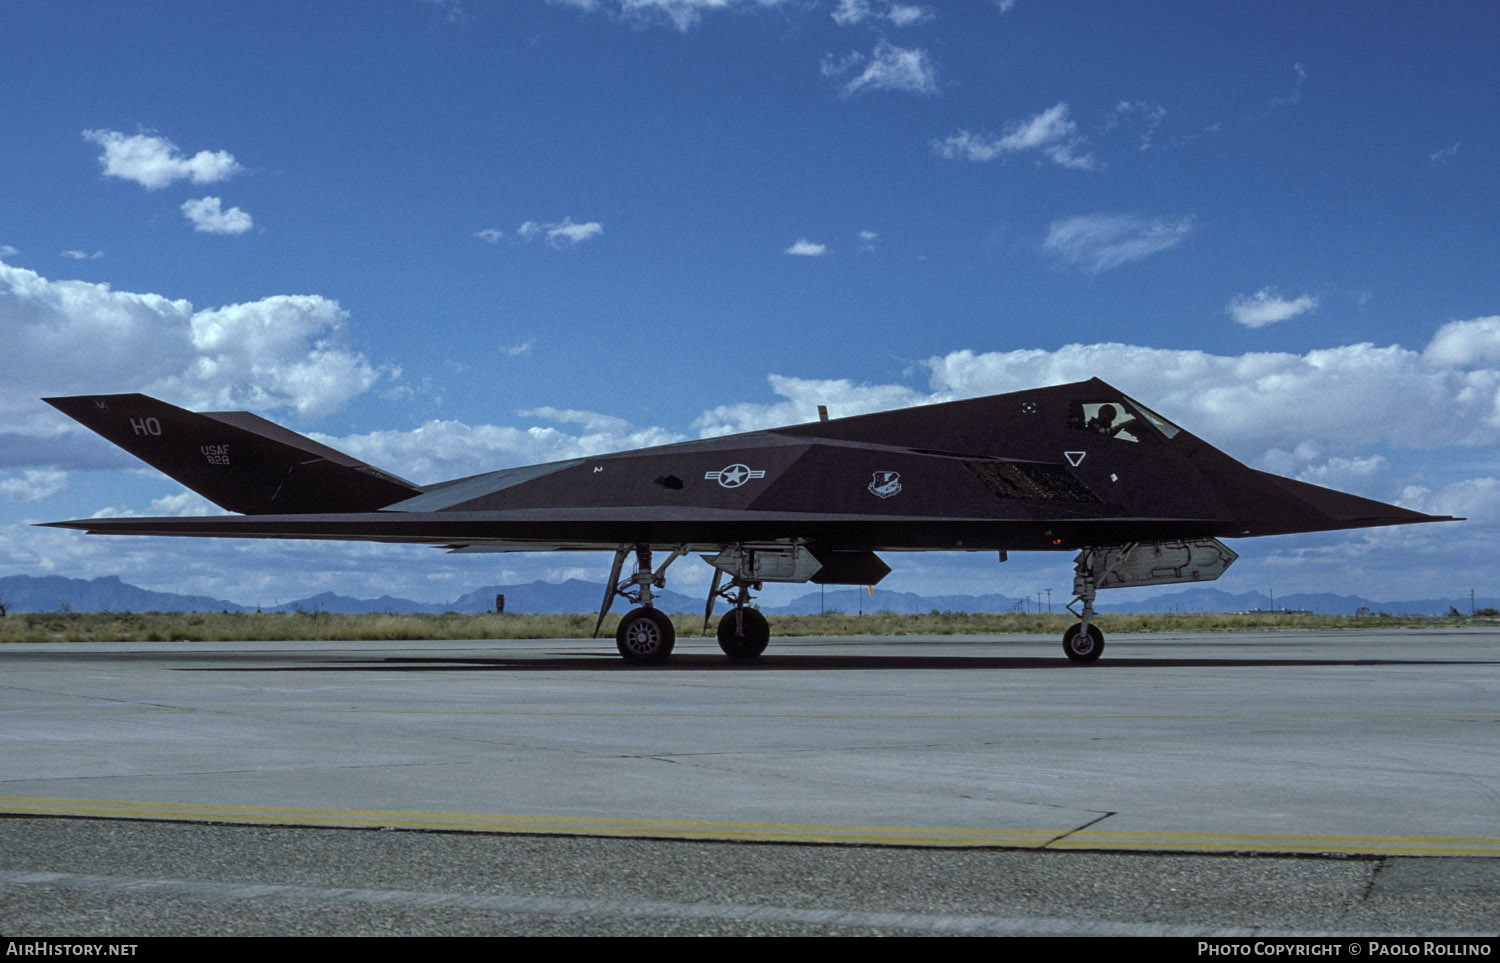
pixel 1083 642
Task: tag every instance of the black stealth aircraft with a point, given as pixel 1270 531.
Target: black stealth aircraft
pixel 1070 468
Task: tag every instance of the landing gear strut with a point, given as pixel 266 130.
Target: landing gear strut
pixel 1083 642
pixel 743 632
pixel 644 636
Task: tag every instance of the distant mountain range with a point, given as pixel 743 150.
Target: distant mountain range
pixel 52 593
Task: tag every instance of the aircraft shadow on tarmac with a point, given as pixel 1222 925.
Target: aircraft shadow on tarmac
pixel 698 663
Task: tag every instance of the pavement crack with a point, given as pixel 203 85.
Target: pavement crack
pixel 1380 866
pixel 1077 829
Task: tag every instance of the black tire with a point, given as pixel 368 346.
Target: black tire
pixel 1083 648
pixel 645 637
pixel 744 636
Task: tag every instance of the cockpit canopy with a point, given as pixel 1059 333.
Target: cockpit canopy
pixel 1120 418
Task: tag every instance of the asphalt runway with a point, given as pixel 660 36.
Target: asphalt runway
pixel 1187 783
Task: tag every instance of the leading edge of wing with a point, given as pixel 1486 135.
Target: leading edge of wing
pixel 587 528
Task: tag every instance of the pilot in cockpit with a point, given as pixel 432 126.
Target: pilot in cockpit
pixel 1104 423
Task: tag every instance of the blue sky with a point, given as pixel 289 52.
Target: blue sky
pixel 454 236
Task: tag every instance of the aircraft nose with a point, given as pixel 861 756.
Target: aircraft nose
pixel 1334 510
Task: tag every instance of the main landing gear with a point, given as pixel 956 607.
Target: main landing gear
pixel 644 636
pixel 743 632
pixel 1083 642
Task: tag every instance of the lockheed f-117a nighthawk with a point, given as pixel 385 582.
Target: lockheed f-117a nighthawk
pixel 1071 468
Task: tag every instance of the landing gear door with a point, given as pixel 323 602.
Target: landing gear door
pixel 785 563
pixel 1160 563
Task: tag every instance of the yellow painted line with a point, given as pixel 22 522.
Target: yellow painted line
pixel 567 825
pixel 763 832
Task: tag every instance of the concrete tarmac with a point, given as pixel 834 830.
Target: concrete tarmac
pixel 1362 749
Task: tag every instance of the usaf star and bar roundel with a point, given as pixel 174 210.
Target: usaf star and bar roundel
pixel 733 476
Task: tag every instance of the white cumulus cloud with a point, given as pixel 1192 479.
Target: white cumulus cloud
pixel 184 503
pixel 682 14
pixel 1265 307
pixel 33 485
pixel 1052 133
pixel 1443 155
pixel 890 68
pixel 564 233
pixel 208 217
pixel 1466 343
pixel 154 162
pixel 805 248
pixel 78 337
pixel 1098 242
pixel 1339 399
pixel 851 12
pixel 440 450
pixel 1151 116
pixel 589 420
pixel 801 398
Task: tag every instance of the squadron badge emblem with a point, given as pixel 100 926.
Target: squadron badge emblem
pixel 885 484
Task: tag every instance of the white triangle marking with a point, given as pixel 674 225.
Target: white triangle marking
pixel 1074 457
